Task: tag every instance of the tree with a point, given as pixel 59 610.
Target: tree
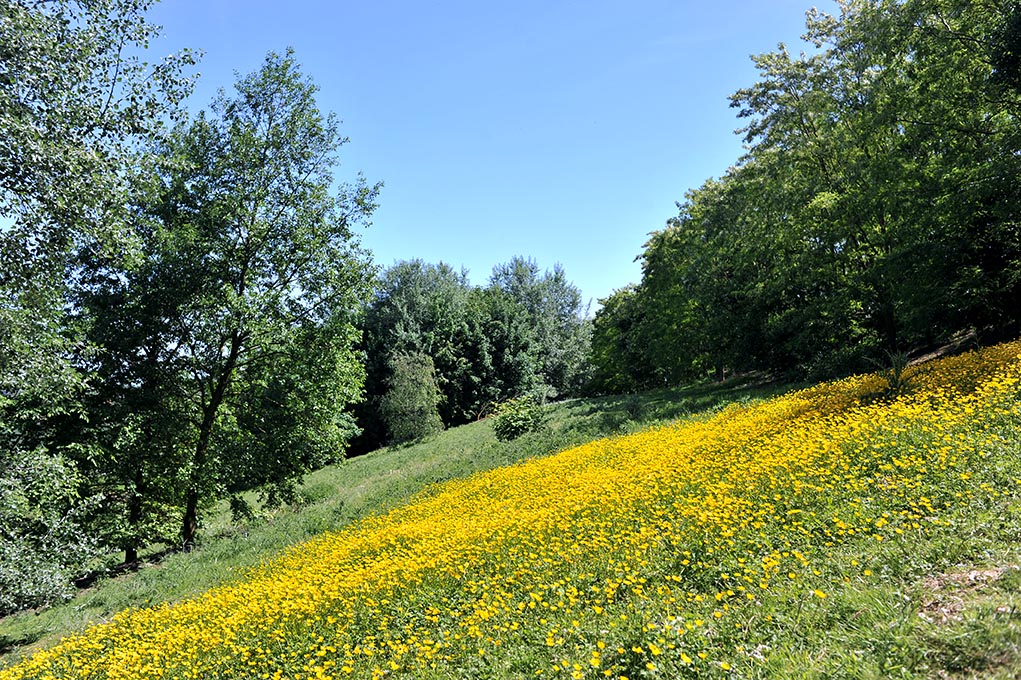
pixel 620 357
pixel 245 298
pixel 543 318
pixel 875 211
pixel 77 111
pixel 409 406
pixel 136 427
pixel 425 309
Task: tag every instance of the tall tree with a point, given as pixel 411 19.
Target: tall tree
pixel 545 320
pixel 246 295
pixel 425 310
pixel 78 106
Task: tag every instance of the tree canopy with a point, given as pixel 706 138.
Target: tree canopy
pixel 875 212
pixel 243 304
pixel 524 332
pixel 78 109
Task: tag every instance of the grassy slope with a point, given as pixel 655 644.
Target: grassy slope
pixel 942 603
pixel 338 495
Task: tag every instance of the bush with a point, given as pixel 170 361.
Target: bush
pixel 43 546
pixel 410 407
pixel 515 417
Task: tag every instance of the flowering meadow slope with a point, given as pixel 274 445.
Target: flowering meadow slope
pixel 660 554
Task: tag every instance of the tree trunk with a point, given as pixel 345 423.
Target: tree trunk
pixel 134 518
pixel 189 526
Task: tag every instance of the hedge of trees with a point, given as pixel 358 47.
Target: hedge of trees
pixel 877 210
pixel 464 348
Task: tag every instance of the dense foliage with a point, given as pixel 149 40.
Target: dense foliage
pixel 76 110
pixel 876 210
pixel 702 549
pixel 178 297
pixel 410 405
pixel 525 332
pixel 517 416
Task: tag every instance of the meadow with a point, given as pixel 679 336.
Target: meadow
pixel 866 527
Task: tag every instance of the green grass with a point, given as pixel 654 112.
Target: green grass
pixel 938 604
pixel 334 497
pixel 941 603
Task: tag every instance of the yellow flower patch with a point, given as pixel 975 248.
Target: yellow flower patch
pixel 601 561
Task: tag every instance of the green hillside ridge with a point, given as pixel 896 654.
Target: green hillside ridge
pixel 335 496
pixel 911 565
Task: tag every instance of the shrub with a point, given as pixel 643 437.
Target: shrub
pixel 43 546
pixel 410 407
pixel 515 417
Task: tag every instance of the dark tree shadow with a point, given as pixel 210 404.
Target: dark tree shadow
pixel 88 580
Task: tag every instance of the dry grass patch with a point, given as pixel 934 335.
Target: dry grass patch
pixel 974 621
pixel 949 594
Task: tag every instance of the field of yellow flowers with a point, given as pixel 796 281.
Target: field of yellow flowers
pixel 677 552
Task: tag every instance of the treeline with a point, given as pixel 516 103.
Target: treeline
pixel 440 352
pixel 186 313
pixel 877 210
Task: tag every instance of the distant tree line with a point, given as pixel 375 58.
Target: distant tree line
pixel 876 212
pixel 441 352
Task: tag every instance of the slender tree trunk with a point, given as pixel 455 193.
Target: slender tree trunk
pixel 140 487
pixel 189 526
pixel 134 517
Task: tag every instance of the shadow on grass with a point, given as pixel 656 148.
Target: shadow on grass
pixel 11 644
pixel 152 559
pixel 612 414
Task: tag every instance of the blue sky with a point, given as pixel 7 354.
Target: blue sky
pixel 561 131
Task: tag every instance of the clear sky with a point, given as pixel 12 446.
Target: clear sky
pixel 559 130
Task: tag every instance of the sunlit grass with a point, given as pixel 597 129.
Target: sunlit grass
pixel 778 539
pixel 335 496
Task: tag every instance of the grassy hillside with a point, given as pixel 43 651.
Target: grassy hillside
pixel 861 528
pixel 336 496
